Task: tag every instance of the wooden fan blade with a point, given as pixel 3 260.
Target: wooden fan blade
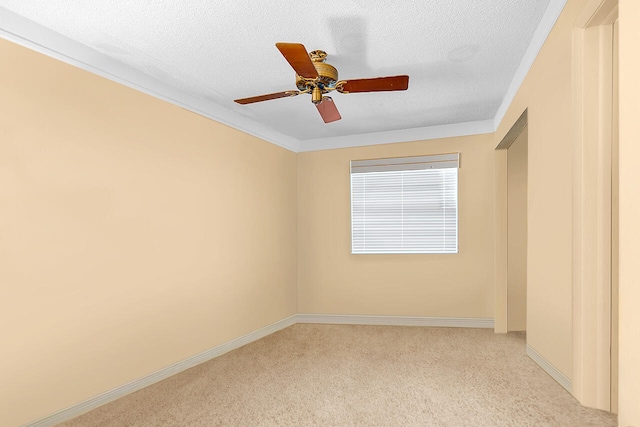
pixel 378 84
pixel 265 97
pixel 328 110
pixel 297 56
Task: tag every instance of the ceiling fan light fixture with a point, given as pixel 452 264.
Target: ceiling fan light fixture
pixel 328 110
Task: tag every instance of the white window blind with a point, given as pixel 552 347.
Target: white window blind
pixel 405 205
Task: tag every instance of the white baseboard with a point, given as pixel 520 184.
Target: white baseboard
pixel 553 372
pixel 118 392
pixel 344 319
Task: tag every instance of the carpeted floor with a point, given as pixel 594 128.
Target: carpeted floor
pixel 345 375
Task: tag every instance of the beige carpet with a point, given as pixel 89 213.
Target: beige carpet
pixel 339 375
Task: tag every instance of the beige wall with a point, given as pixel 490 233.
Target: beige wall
pixel 332 280
pixel 546 92
pixel 134 234
pixel 120 255
pixel 517 233
pixel 629 188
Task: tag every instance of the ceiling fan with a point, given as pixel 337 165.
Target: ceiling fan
pixel 315 76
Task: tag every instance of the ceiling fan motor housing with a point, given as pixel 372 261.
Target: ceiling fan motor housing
pixel 327 73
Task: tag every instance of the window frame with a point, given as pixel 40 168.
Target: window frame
pixel 409 164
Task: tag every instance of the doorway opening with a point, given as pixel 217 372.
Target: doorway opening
pixel 517 159
pixel 511 228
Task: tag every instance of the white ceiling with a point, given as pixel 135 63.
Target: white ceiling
pixel 465 58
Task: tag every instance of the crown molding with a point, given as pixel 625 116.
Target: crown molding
pixel 27 33
pixel 403 135
pixel 43 40
pixel 554 9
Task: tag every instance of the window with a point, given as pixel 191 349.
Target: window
pixel 405 205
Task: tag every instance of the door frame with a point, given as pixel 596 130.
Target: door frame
pixel 592 203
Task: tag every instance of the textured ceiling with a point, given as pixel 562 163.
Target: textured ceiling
pixel 463 58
